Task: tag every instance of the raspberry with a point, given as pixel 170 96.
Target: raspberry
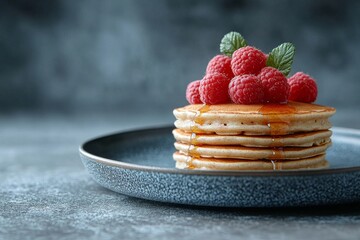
pixel 246 89
pixel 247 60
pixel 214 89
pixel 275 84
pixel 192 92
pixel 302 88
pixel 220 64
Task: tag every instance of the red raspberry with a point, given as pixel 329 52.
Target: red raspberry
pixel 247 60
pixel 302 88
pixel 192 92
pixel 220 64
pixel 246 89
pixel 214 89
pixel 275 84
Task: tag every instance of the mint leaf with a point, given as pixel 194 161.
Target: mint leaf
pixel 282 58
pixel 231 42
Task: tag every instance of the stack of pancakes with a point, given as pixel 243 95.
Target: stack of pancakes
pixel 252 137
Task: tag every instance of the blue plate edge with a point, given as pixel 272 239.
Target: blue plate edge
pixel 116 163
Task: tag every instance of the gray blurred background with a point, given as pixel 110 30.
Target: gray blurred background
pixel 71 70
pixel 137 56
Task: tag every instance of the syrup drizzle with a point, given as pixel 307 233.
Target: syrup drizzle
pixel 275 141
pixel 278 126
pixel 189 162
pixel 274 164
pixel 193 138
pixel 277 165
pixel 277 153
pixel 192 149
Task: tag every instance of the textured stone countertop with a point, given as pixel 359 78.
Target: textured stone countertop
pixel 45 193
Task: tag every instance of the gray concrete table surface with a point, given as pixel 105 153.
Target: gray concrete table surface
pixel 45 192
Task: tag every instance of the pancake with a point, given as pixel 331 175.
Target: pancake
pixel 253 153
pixel 257 119
pixel 296 140
pixel 252 137
pixel 200 163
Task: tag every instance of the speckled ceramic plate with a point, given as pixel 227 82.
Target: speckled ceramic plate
pixel 139 164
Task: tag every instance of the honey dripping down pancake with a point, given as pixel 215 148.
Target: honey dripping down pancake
pixel 246 113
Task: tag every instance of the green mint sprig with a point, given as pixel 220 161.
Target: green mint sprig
pixel 282 58
pixel 231 42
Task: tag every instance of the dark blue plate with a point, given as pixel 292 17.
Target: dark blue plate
pixel 139 164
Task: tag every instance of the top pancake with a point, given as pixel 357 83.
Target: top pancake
pixel 256 119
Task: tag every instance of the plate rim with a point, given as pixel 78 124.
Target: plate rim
pixel 243 173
